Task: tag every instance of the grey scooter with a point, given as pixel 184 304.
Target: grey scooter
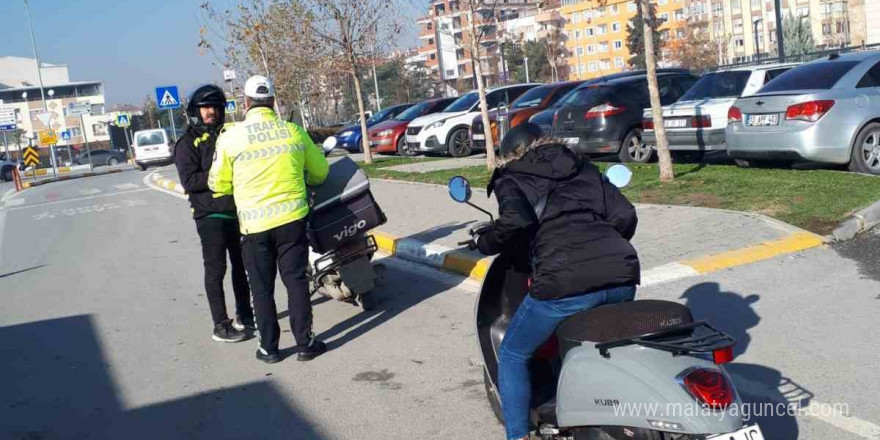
pixel 640 370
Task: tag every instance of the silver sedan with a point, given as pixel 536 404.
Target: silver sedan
pixel 827 111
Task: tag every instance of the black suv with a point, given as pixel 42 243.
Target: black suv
pixel 606 117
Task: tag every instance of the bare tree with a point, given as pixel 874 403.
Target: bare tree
pixel 665 159
pixel 556 53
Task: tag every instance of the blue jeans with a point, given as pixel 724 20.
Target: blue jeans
pixel 534 322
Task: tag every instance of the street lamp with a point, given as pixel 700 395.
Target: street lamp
pixel 757 42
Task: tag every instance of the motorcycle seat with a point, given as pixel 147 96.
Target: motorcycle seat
pixel 622 320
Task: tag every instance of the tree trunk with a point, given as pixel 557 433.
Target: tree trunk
pixel 665 159
pixel 365 139
pixel 481 90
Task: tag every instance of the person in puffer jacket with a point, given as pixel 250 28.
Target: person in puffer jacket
pixel 578 226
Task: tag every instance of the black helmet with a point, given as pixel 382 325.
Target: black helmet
pixel 207 95
pixel 518 137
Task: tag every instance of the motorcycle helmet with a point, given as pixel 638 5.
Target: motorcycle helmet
pixel 207 95
pixel 519 137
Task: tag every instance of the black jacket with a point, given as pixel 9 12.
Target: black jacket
pixel 581 243
pixel 193 155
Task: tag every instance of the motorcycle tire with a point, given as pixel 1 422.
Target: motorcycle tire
pixel 366 301
pixel 493 398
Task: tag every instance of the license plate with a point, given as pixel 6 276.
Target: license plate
pixel 479 137
pixel 674 123
pixel 747 433
pixel 572 141
pixel 152 148
pixel 763 120
pixel 412 139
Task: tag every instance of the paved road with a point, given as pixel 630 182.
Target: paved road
pixel 105 334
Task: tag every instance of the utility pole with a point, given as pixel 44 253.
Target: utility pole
pixel 40 76
pixel 375 79
pixel 526 63
pixel 780 44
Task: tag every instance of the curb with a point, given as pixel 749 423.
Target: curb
pixel 473 266
pixel 860 222
pixel 27 185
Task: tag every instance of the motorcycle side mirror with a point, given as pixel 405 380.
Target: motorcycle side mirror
pixel 329 145
pixel 619 175
pixel 460 189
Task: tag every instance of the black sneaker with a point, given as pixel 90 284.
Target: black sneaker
pixel 225 332
pixel 242 324
pixel 311 351
pixel 267 357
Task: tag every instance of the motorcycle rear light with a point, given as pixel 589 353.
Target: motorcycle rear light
pixel 604 110
pixel 809 111
pixel 709 387
pixel 667 426
pixel 734 115
pixel 704 121
pixel 723 355
pixel 647 124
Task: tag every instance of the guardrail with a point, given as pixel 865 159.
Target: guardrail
pixel 800 58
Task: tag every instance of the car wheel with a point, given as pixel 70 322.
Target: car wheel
pixel 687 156
pixel 112 162
pixel 742 163
pixel 866 151
pixel 459 143
pixel 634 150
pixel 143 167
pixel 403 148
pixel 6 175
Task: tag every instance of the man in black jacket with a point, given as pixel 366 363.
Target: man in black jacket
pixel 215 215
pixel 578 226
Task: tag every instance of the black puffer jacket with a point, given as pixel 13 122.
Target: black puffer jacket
pixel 193 155
pixel 581 244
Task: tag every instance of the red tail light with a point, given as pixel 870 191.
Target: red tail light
pixel 648 124
pixel 555 117
pixel 734 115
pixel 809 111
pixel 723 355
pixel 704 121
pixel 709 387
pixel 604 110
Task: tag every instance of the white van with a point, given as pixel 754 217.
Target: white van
pixel 154 147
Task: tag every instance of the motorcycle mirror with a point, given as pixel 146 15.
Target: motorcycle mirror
pixel 460 189
pixel 329 144
pixel 619 175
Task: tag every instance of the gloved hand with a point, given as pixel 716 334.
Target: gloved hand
pixel 475 231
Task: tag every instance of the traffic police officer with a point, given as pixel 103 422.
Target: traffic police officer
pixel 261 161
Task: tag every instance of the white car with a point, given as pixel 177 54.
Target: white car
pixel 154 147
pixel 696 122
pixel 449 130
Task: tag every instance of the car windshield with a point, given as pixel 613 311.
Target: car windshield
pixel 381 116
pixel 812 76
pixel 718 85
pixel 561 101
pixel 154 138
pixel 532 98
pixel 413 112
pixel 463 104
pixel 586 96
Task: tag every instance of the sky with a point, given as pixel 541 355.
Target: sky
pixel 132 46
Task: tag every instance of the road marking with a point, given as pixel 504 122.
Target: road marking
pixel 666 273
pixel 762 251
pixel 89 191
pixel 148 180
pixel 92 209
pixel 38 205
pixel 126 186
pixel 14 202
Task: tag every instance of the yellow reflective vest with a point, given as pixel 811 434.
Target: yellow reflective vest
pixel 261 162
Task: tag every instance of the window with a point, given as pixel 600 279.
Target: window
pixel 583 68
pixel 841 27
pixel 803 11
pixel 718 9
pixel 668 91
pixel 580 51
pixel 826 28
pixel 664 2
pixel 615 27
pixel 588 32
pixel 614 10
pixel 577 35
pixel 839 7
pixel 430 41
pixel 719 27
pixel 603 46
pixel 735 5
pixel 772 74
pixel 679 14
pixel 756 4
pixel 588 15
pixel 600 11
pixel 576 17
pixel 99 129
pixel 603 29
pixel 718 85
pixel 450 72
pixel 664 17
pixel 593 67
pixel 76 131
pixel 631 7
pixel 97 109
pixel 433 56
pixel 591 49
pixel 738 26
pixel 871 79
pixel 606 64
pixel 826 9
pixel 618 45
pixel 739 43
pixel 814 76
pixel 618 62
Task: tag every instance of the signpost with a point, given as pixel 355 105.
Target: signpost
pixel 231 106
pixel 167 98
pixel 46 118
pixel 7 122
pixel 81 109
pixel 229 77
pixel 48 137
pixel 65 135
pixel 31 158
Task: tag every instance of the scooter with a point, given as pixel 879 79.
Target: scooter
pixel 343 210
pixel 639 370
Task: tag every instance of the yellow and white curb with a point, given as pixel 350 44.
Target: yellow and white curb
pixel 29 184
pixel 156 181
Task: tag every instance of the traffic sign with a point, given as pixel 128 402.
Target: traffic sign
pixel 31 156
pixel 79 109
pixel 7 119
pixel 48 137
pixel 228 75
pixel 231 106
pixel 65 135
pixel 167 97
pixel 44 117
pixel 123 119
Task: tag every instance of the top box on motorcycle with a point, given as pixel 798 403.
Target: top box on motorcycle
pixel 343 208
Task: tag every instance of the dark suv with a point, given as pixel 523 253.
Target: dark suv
pixel 606 117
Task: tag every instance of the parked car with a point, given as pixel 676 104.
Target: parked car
pixel 696 122
pixel 101 158
pixel 390 136
pixel 529 103
pixel 349 137
pixel 6 168
pixel 449 130
pixel 827 110
pixel 606 117
pixel 544 118
pixel 153 147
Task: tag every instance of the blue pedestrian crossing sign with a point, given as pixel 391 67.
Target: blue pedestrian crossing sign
pixel 167 97
pixel 123 120
pixel 65 135
pixel 230 106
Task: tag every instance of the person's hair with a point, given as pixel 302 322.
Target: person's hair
pixel 260 102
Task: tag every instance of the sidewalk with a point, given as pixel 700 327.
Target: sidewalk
pixel 71 173
pixel 673 242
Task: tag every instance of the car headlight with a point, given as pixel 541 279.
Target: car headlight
pixel 385 133
pixel 437 124
pixel 346 134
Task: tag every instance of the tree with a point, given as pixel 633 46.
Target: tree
pixel 485 9
pixel 695 50
pixel 402 83
pixel 554 46
pixel 539 66
pixel 151 112
pixel 665 159
pixel 797 36
pixel 635 39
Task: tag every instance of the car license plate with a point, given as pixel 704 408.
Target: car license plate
pixel 152 148
pixel 674 123
pixel 479 137
pixel 763 120
pixel 747 433
pixel 412 139
pixel 572 141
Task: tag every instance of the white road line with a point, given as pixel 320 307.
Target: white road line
pixel 58 202
pixel 126 186
pixel 666 273
pixel 89 191
pixel 14 202
pixel 7 195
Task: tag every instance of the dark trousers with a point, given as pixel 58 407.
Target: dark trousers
pixel 221 237
pixel 283 249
